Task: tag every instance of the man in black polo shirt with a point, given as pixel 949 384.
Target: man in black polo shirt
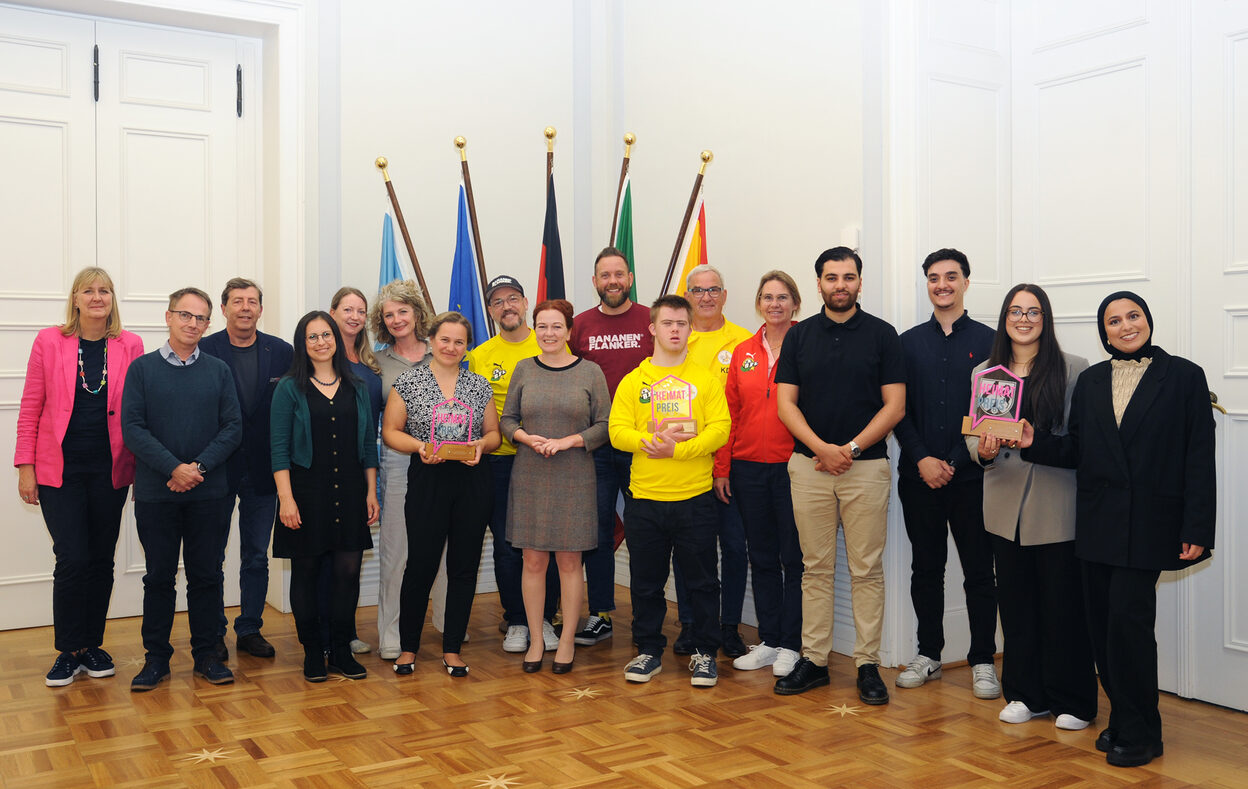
pixel 941 489
pixel 841 388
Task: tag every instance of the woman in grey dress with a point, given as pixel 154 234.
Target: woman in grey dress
pixel 556 414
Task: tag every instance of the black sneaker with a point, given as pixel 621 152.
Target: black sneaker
pixel 220 650
pixel 97 663
pixel 733 646
pixel 66 667
pixel 871 689
pixel 684 642
pixel 597 628
pixel 804 676
pixel 344 663
pixel 154 672
pixel 254 645
pixel 214 671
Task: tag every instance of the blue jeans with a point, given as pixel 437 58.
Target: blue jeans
pixel 731 568
pixel 256 513
pixel 762 493
pixel 613 468
pixel 199 529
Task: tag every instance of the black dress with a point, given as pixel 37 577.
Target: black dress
pixel 332 494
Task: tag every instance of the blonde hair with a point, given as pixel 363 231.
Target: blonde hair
pixel 89 276
pixel 776 275
pixel 363 348
pixel 404 292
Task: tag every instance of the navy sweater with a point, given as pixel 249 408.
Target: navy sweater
pixel 172 415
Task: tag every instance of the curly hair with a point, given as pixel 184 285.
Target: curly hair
pixel 403 292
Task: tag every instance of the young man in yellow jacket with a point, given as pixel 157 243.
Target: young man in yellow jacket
pixel 670 413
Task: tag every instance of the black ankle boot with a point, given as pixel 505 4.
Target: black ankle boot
pixel 341 661
pixel 314 664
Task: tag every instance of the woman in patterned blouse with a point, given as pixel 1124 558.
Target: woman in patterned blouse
pixel 448 501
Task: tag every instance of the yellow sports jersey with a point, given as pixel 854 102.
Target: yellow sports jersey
pixel 496 360
pixel 713 349
pixel 687 473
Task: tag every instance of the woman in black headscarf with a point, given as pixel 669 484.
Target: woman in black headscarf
pixel 1141 435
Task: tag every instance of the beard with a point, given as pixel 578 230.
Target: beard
pixel 612 300
pixel 830 303
pixel 510 321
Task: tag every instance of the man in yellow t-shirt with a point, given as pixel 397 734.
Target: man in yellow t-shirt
pixel 711 345
pixel 496 360
pixel 672 509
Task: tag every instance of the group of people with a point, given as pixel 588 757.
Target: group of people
pixel 730 449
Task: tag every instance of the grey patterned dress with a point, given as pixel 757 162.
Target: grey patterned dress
pixel 553 505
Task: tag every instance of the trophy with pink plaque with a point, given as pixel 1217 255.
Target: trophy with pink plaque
pixel 996 404
pixel 451 433
pixel 671 406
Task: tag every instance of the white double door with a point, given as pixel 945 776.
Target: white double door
pixel 157 181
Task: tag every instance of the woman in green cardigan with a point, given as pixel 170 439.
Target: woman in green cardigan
pixel 325 467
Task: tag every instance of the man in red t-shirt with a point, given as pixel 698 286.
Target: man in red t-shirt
pixel 615 335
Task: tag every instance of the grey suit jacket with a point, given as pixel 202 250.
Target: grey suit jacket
pixel 1037 500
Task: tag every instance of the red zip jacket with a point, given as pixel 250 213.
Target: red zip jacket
pixel 757 432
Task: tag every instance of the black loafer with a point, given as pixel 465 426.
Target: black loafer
pixel 1133 755
pixel 255 645
pixel 1106 739
pixel 804 676
pixel 684 641
pixel 871 689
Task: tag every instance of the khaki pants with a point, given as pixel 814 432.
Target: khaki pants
pixel 858 501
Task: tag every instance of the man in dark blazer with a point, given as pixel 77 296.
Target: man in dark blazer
pixel 257 360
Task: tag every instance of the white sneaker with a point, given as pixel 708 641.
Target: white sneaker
pixel 1018 712
pixel 359 647
pixel 984 682
pixel 1071 723
pixel 549 639
pixel 759 656
pixel 786 660
pixel 517 639
pixel 389 653
pixel 920 670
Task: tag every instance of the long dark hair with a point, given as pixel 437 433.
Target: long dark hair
pixel 301 366
pixel 1044 396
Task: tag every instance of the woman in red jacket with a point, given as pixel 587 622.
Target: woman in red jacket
pixel 753 465
pixel 72 463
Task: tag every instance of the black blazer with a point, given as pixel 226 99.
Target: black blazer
pixel 1148 486
pixel 252 458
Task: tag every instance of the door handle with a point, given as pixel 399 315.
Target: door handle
pixel 1213 401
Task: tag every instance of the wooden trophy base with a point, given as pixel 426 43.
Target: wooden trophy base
pixel 1001 428
pixel 689 426
pixel 452 451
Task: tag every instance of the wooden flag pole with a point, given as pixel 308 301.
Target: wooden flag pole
pixel 549 133
pixel 382 163
pixel 462 144
pixel 629 139
pixel 707 156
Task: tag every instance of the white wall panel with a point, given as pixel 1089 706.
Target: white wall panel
pixel 1060 22
pixel 1237 102
pixel 34 65
pixel 164 81
pixel 974 24
pixel 1236 354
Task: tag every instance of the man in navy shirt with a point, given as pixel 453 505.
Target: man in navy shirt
pixel 841 388
pixel 941 489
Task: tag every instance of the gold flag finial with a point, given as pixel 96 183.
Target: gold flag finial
pixel 707 156
pixel 629 139
pixel 549 133
pixel 382 163
pixel 461 143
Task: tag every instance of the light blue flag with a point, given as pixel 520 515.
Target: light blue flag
pixel 390 270
pixel 465 297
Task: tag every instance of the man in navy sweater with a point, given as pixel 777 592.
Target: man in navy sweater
pixel 256 360
pixel 180 418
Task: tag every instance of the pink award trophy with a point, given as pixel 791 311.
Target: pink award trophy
pixel 451 433
pixel 996 404
pixel 671 405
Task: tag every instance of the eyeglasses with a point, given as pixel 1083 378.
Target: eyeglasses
pixel 713 291
pixel 1016 314
pixel 511 301
pixel 187 317
pixel 324 336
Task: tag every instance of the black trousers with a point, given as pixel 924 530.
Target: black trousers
pixel 930 515
pixel 656 531
pixel 448 504
pixel 83 517
pixel 1122 617
pixel 1048 657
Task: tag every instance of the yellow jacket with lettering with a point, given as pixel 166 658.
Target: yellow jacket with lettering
pixel 688 472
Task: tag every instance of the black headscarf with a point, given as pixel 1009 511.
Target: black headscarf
pixel 1145 351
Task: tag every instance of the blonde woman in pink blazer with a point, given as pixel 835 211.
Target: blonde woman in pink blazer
pixel 72 464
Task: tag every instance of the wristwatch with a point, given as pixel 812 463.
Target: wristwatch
pixel 854 450
pixel 204 469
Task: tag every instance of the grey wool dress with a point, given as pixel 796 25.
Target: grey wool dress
pixel 553 504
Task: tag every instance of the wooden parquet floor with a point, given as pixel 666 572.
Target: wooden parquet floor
pixel 503 728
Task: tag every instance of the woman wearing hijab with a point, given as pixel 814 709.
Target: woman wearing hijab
pixel 1141 436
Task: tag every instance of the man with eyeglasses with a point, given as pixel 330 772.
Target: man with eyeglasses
pixel 257 361
pixel 496 359
pixel 180 418
pixel 711 345
pixel 941 488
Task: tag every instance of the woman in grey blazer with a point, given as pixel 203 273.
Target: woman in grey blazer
pixel 1029 512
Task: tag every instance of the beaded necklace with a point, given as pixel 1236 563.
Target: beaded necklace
pixel 82 371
